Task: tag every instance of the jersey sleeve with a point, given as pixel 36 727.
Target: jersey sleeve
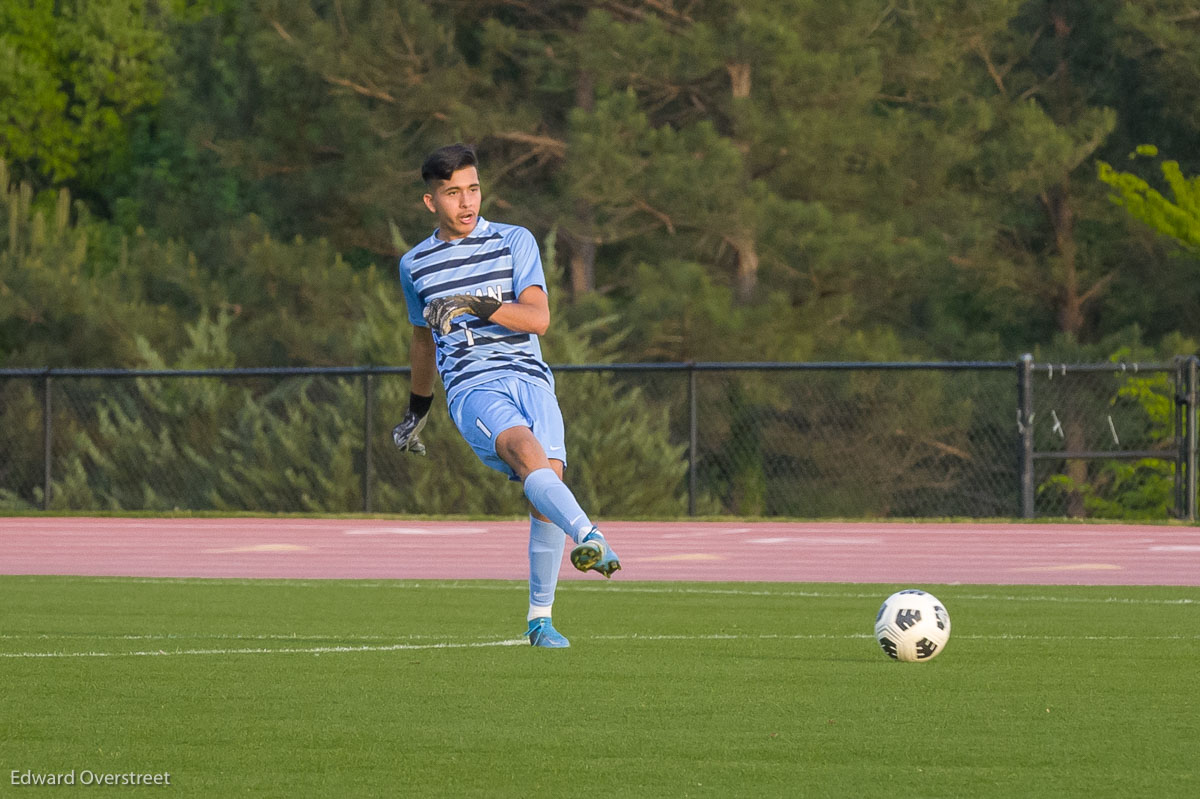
pixel 527 262
pixel 411 299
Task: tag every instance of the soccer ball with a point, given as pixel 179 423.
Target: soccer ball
pixel 912 625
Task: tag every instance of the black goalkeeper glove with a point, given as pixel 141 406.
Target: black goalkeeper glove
pixel 407 433
pixel 440 313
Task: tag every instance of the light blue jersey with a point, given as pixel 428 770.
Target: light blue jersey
pixel 495 260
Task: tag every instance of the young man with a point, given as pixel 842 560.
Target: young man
pixel 476 298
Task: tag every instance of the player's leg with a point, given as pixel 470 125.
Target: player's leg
pixel 549 495
pixel 512 425
pixel 478 414
pixel 546 544
pixel 591 551
pixel 521 449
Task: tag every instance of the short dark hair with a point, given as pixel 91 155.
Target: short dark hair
pixel 445 161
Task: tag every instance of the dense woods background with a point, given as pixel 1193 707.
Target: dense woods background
pixel 788 180
pixel 214 183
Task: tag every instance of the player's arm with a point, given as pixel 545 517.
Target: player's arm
pixel 530 313
pixel 421 358
pixel 406 435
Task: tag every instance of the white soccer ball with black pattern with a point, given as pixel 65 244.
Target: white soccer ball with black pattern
pixel 912 625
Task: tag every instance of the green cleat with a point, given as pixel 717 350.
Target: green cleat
pixel 594 554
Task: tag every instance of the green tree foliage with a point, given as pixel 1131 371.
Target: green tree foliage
pixel 71 74
pixel 756 180
pixel 57 307
pixel 203 443
pixel 1177 217
pixel 76 292
pixel 626 453
pixel 1170 215
pixel 943 152
pixel 1160 39
pixel 799 154
pixel 295 444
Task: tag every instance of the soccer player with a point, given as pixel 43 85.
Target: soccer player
pixel 477 301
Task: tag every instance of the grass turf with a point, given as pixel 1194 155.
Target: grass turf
pixel 399 688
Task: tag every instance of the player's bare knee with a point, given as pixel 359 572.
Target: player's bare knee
pixel 520 450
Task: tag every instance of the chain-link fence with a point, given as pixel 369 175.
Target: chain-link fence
pixel 851 440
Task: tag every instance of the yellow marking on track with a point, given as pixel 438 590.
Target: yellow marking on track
pixel 1073 567
pixel 262 548
pixel 684 556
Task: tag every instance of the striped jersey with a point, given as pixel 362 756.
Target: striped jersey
pixel 495 260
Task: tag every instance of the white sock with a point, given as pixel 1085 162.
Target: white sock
pixel 538 612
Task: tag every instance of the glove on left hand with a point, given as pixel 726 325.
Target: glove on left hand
pixel 406 434
pixel 440 313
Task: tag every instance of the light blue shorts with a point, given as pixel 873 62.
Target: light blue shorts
pixel 486 411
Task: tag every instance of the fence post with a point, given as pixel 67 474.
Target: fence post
pixel 1179 404
pixel 1025 428
pixel 1193 366
pixel 47 438
pixel 692 426
pixel 368 413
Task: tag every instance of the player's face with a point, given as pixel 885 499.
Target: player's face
pixel 455 202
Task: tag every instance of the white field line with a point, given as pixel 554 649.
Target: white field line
pixel 338 650
pixel 314 650
pixel 881 595
pixel 295 637
pixel 854 636
pixel 571 586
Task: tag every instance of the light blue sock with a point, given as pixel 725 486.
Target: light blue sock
pixel 546 543
pixel 555 501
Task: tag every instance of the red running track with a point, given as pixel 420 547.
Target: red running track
pixel 864 552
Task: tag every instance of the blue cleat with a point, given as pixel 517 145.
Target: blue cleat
pixel 594 554
pixel 542 633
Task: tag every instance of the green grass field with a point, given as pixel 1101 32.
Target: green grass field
pixel 397 688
